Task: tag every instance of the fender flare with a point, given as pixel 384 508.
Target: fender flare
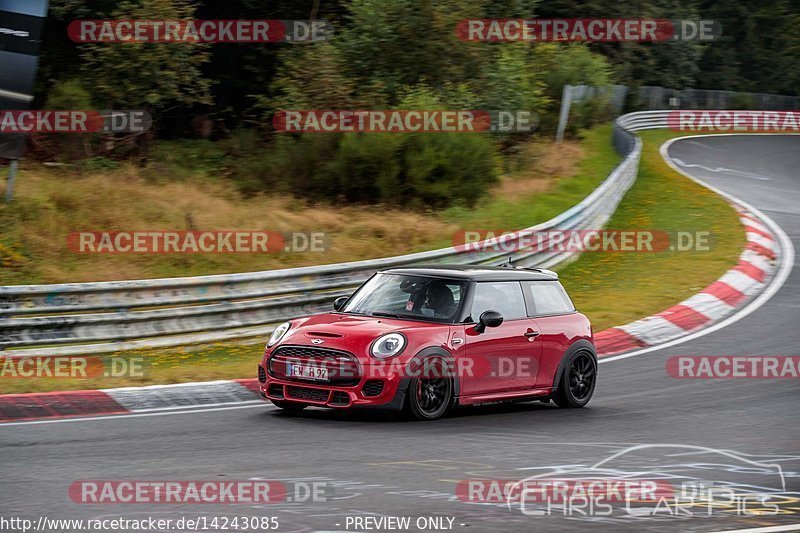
pixel 577 346
pixel 398 402
pixel 432 351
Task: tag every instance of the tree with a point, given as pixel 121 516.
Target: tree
pixel 146 75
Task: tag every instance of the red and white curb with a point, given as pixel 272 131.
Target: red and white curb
pixel 763 267
pixel 127 400
pixel 712 304
pixel 717 301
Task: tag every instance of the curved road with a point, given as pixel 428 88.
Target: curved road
pixel 374 466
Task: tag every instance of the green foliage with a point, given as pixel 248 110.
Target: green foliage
pixel 385 54
pixel 588 113
pixel 389 45
pixel 311 77
pixel 759 50
pixel 69 94
pixel 445 169
pixel 289 164
pixel 150 75
pixel 510 82
pixel 571 64
pixel 95 164
pixel 367 168
pixel 431 170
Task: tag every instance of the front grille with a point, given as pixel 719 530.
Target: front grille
pixel 340 398
pixel 373 387
pixel 275 391
pixel 262 375
pixel 313 395
pixel 312 352
pixel 342 366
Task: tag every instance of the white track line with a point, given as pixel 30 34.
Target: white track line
pixel 140 414
pixel 771 529
pixel 781 274
pixel 170 385
pixel 198 406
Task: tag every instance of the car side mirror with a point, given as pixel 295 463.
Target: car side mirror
pixel 488 319
pixel 338 303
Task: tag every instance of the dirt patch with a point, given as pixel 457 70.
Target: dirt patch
pixel 539 166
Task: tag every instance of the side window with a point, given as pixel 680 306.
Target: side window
pixel 504 297
pixel 547 298
pixel 442 299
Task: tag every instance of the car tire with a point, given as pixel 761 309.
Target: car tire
pixel 578 380
pixel 290 407
pixel 430 394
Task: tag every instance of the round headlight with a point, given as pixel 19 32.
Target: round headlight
pixel 278 334
pixel 388 346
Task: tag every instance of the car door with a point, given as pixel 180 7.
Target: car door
pixel 502 358
pixel 552 310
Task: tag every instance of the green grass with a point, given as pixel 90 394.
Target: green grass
pixel 611 288
pixel 176 365
pixel 617 288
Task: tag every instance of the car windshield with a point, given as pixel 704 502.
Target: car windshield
pixel 404 296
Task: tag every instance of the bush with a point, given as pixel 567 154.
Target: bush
pixel 367 168
pixel 588 113
pixel 446 169
pixel 289 164
pixel 433 170
pixel 69 95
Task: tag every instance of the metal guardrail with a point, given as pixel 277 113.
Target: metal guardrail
pixel 108 316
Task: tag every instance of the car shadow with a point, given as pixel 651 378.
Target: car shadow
pixel 391 417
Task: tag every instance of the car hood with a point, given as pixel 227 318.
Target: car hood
pixel 356 332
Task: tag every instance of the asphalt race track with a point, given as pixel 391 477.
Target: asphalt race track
pixel 372 465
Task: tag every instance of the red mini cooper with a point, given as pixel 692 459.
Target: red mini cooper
pixel 425 339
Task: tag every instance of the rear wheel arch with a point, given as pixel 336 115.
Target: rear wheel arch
pixel 577 346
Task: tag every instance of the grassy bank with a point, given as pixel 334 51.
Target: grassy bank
pixel 617 288
pixel 612 288
pixel 537 183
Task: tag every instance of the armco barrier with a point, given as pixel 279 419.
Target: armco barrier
pixel 102 317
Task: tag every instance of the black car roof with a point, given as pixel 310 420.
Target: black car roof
pixel 476 272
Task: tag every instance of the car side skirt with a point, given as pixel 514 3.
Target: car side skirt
pixel 516 395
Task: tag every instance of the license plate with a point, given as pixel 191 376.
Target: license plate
pixel 308 372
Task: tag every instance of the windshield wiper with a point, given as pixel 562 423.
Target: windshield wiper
pixel 422 318
pixel 389 314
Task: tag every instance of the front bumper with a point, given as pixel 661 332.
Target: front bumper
pixel 366 390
